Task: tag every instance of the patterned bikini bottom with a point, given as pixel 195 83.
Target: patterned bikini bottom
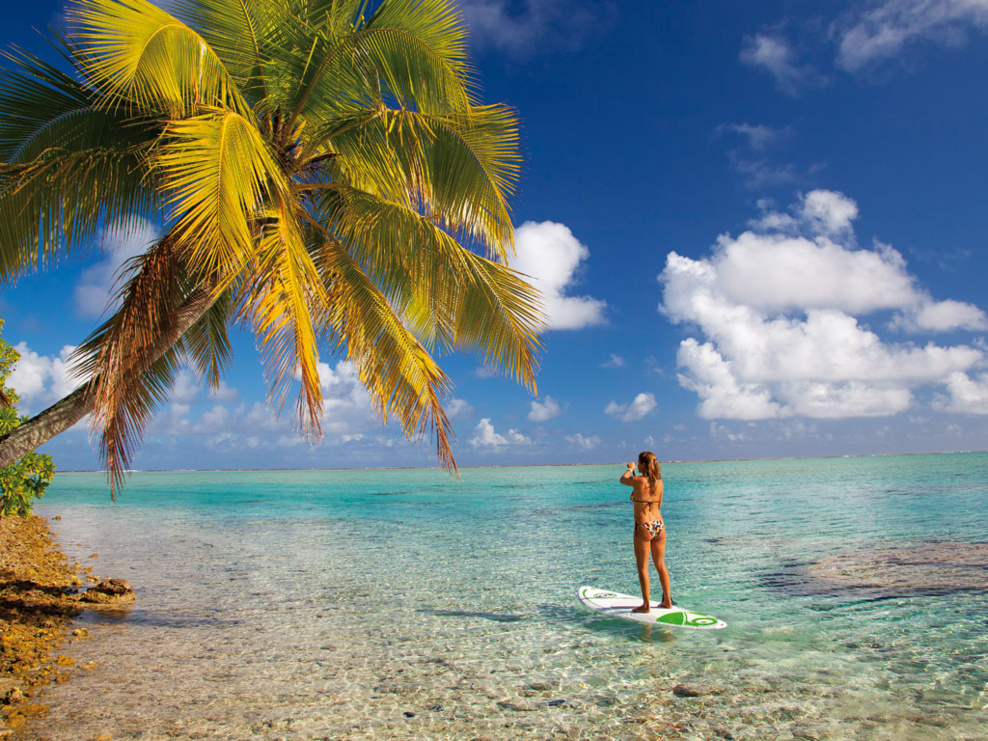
pixel 652 528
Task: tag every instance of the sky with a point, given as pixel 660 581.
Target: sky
pixel 759 230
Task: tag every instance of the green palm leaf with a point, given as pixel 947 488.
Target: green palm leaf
pixel 135 52
pixel 324 174
pixel 70 167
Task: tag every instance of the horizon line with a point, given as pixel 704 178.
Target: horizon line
pixel 528 465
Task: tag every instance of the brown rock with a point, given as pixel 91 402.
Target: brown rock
pixel 686 690
pixel 109 592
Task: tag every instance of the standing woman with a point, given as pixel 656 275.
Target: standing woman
pixel 650 531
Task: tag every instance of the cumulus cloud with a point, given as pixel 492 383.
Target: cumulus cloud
pixel 586 443
pixel 458 409
pixel 885 29
pixel 486 437
pixel 641 406
pixel 527 27
pixel 965 395
pixel 94 291
pixel 41 380
pixel 550 256
pixel 542 412
pixel 779 309
pixel 346 406
pixel 615 361
pixel 775 55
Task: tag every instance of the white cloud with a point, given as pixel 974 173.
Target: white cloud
pixel 550 256
pixel 586 443
pixel 808 261
pixel 722 395
pixel 758 137
pixel 966 395
pixel 185 388
pixel 458 409
pixel 750 155
pixel 95 289
pixel 942 316
pixel 779 308
pixel 41 380
pixel 224 393
pixel 776 56
pixel 346 406
pixel 642 405
pixel 545 411
pixel 615 361
pixel 486 437
pixel 348 414
pixel 885 29
pixel 828 211
pixel 530 26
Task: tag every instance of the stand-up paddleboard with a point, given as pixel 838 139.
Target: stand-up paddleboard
pixel 620 605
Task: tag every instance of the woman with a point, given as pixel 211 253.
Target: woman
pixel 650 531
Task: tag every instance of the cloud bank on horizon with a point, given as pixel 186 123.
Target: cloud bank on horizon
pixel 779 309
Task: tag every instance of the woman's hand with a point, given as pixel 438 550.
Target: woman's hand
pixel 628 477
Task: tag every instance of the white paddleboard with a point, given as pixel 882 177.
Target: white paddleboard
pixel 620 605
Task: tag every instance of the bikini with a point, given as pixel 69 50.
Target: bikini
pixel 652 528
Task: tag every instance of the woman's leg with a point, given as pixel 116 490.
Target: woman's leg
pixel 641 558
pixel 658 545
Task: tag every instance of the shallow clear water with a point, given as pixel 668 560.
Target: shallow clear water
pixel 406 605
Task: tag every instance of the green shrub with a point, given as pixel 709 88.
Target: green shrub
pixel 26 479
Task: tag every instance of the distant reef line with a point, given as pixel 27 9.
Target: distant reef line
pixel 535 465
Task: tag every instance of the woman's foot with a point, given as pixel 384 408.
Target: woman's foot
pixel 666 604
pixel 645 608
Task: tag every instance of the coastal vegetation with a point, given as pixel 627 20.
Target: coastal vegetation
pixel 25 479
pixel 323 172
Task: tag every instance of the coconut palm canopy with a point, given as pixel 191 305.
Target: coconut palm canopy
pixel 326 175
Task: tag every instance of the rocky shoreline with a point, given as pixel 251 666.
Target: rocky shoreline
pixel 40 594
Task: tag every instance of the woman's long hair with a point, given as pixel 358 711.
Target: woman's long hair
pixel 649 466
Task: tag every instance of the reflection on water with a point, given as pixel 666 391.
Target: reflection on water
pixel 324 611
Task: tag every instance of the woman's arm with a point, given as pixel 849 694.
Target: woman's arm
pixel 628 477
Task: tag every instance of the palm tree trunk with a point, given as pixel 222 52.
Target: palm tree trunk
pixel 64 413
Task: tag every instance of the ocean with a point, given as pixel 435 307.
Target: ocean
pixel 404 604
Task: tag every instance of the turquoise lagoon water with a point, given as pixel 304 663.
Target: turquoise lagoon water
pixel 406 605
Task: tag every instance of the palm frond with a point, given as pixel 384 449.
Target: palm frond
pixel 419 49
pixel 218 172
pixel 123 360
pixel 401 376
pixel 207 343
pixel 447 292
pixel 70 167
pixel 283 286
pixel 136 53
pixel 459 169
pixel 412 54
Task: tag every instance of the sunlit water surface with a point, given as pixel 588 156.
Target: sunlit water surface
pixel 406 605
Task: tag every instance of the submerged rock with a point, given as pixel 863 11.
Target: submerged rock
pixel 925 569
pixel 109 592
pixel 687 690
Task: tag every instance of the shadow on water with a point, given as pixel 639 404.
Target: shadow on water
pixel 115 616
pixel 596 622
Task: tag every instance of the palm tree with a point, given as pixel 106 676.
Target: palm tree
pixel 326 175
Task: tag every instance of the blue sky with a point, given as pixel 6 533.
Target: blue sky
pixel 759 227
